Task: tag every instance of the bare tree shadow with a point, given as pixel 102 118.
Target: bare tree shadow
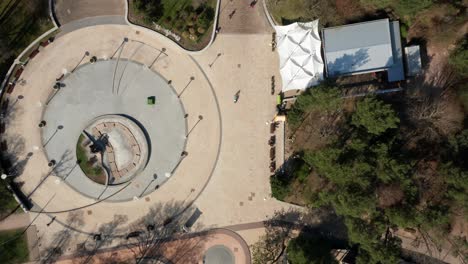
pixel 156 236
pixel 160 235
pixel 12 160
pixel 286 224
pixel 64 165
pixel 61 240
pixel 104 237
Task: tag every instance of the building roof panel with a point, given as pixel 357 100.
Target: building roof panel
pixel 361 47
pixel 359 35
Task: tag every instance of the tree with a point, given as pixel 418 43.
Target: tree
pixel 459 59
pixel 324 97
pixel 309 250
pixel 372 248
pixel 406 9
pixel 271 246
pixel 152 10
pixel 374 116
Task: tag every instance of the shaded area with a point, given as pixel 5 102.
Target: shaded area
pixel 21 21
pixel 17 250
pixel 67 11
pixel 89 165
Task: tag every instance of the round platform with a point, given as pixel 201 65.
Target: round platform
pixel 145 107
pixel 218 254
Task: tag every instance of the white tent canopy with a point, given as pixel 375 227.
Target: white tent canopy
pixel 299 46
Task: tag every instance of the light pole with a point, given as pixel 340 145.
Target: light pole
pixel 217 56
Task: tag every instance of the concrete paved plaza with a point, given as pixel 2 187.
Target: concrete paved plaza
pixel 225 173
pixel 119 87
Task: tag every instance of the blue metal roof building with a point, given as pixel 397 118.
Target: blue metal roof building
pixel 364 48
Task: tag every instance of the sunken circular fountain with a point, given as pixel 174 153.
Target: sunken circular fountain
pixel 112 150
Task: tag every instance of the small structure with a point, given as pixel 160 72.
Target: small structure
pixel 344 256
pixel 299 49
pixel 413 61
pixel 151 100
pixel 364 48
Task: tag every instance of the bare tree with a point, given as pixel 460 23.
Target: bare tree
pixel 278 231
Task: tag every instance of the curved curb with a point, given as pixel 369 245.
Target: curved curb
pixel 52 14
pixel 238 238
pixel 267 13
pixel 218 230
pixel 213 33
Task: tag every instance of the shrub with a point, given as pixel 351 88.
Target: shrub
pixel 279 187
pixel 324 97
pixel 308 250
pixel 375 116
pixel 459 59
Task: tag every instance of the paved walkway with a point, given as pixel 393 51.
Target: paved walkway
pixel 238 17
pixel 68 11
pixel 15 221
pixel 226 171
pixel 186 249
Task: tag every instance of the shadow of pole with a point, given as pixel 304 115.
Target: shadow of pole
pixel 200 118
pixel 183 90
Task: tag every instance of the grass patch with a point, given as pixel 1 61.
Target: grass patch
pixel 91 169
pixel 15 251
pixel 287 12
pixel 191 20
pixel 405 9
pixel 282 182
pixel 21 22
pixel 8 201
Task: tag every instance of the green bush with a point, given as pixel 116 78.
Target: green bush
pixel 375 116
pixel 279 187
pixel 406 9
pixel 459 59
pixel 152 10
pixel 302 172
pixel 309 250
pixel 324 97
pixel 463 95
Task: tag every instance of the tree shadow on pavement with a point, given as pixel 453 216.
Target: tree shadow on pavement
pixel 161 235
pixel 287 224
pixel 61 240
pixel 156 236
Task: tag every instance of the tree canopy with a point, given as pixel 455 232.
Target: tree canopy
pixel 375 116
pixel 309 250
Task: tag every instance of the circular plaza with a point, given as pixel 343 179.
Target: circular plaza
pixel 114 124
pixel 121 122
